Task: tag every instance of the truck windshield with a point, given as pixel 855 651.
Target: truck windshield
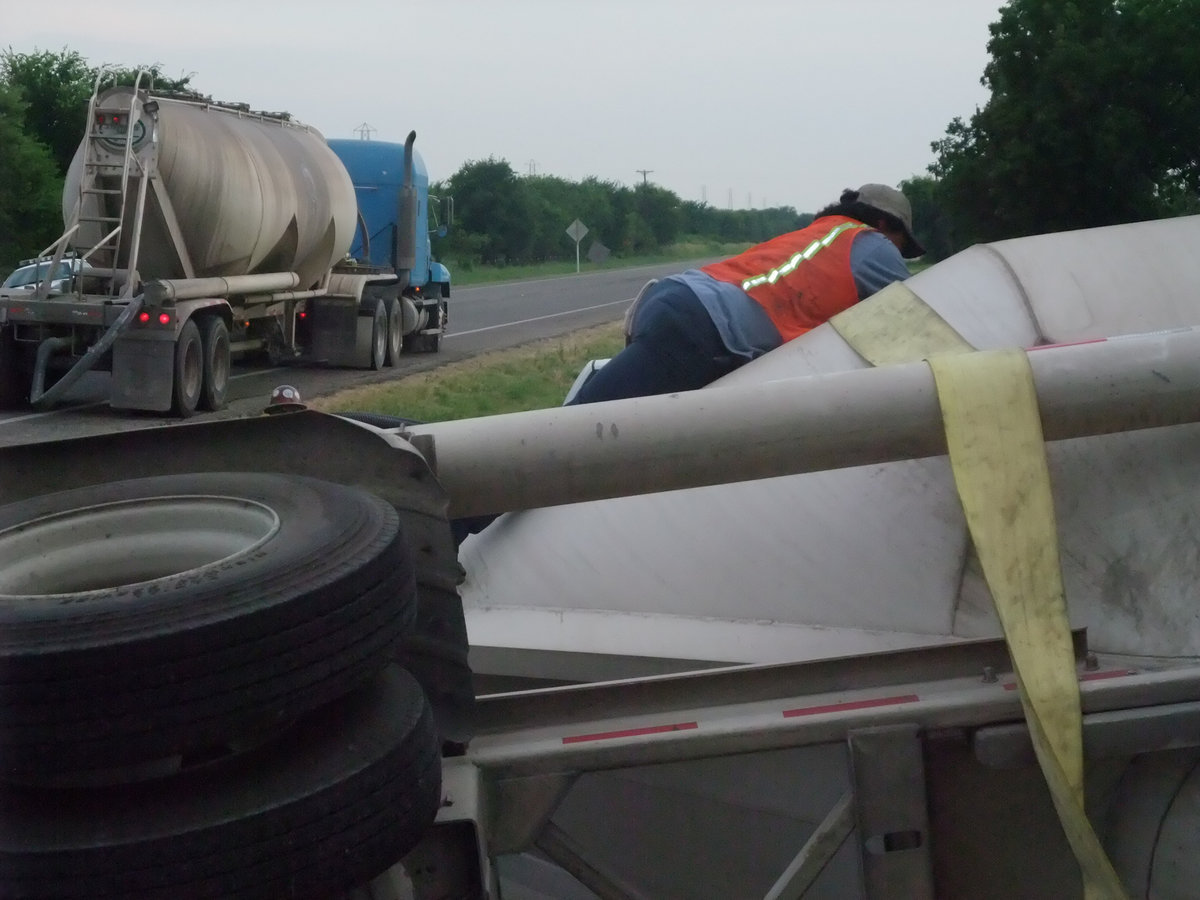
pixel 33 274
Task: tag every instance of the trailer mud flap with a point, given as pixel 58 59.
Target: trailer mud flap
pixel 342 333
pixel 143 372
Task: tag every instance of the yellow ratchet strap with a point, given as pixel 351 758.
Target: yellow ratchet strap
pixel 997 454
pixel 896 326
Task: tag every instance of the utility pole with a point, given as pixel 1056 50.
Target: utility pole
pixel 644 173
pixel 364 131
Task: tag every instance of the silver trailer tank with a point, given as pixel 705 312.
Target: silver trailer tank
pixel 250 193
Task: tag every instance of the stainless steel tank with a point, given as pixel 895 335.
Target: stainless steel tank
pixel 251 193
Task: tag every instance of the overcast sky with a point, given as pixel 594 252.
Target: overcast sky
pixel 735 102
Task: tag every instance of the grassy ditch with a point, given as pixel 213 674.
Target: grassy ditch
pixel 533 376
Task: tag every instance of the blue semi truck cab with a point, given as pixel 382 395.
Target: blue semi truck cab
pixel 395 221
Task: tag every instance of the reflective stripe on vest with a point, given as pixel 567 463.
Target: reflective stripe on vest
pixel 807 253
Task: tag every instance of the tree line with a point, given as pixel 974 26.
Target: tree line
pixel 503 218
pixel 1093 119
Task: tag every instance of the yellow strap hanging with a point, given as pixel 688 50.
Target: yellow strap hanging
pixel 997 453
pixel 998 457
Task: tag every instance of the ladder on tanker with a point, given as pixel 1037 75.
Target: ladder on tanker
pixel 104 188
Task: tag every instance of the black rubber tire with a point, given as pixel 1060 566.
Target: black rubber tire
pixel 188 378
pixel 395 332
pixel 14 382
pixel 436 649
pixel 214 341
pixel 329 805
pixel 379 333
pixel 168 655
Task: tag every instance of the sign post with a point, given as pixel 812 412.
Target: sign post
pixel 575 231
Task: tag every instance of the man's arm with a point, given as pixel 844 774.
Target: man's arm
pixel 875 263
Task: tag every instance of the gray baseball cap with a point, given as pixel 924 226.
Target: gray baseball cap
pixel 894 203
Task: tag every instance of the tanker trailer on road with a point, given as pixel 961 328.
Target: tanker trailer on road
pixel 211 232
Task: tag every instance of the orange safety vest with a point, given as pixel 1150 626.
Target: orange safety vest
pixel 802 278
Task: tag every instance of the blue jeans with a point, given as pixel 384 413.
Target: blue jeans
pixel 674 346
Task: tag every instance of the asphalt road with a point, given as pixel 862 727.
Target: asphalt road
pixel 487 317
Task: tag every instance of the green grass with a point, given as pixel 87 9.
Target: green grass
pixel 533 376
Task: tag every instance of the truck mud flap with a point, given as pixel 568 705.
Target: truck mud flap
pixel 143 372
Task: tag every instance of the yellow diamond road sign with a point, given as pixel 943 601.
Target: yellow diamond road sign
pixel 576 230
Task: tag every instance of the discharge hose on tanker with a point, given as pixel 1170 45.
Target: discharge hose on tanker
pixel 44 399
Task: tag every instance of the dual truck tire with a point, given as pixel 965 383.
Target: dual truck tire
pixel 198 690
pixel 388 340
pixel 202 365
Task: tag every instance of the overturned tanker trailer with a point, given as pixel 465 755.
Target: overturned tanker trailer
pixel 902 609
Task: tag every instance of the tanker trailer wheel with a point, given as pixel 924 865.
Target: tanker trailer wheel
pixel 379 331
pixel 214 342
pixel 395 331
pixel 188 376
pixel 172 617
pixel 436 649
pixel 329 804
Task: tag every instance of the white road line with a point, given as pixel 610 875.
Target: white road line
pixel 556 315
